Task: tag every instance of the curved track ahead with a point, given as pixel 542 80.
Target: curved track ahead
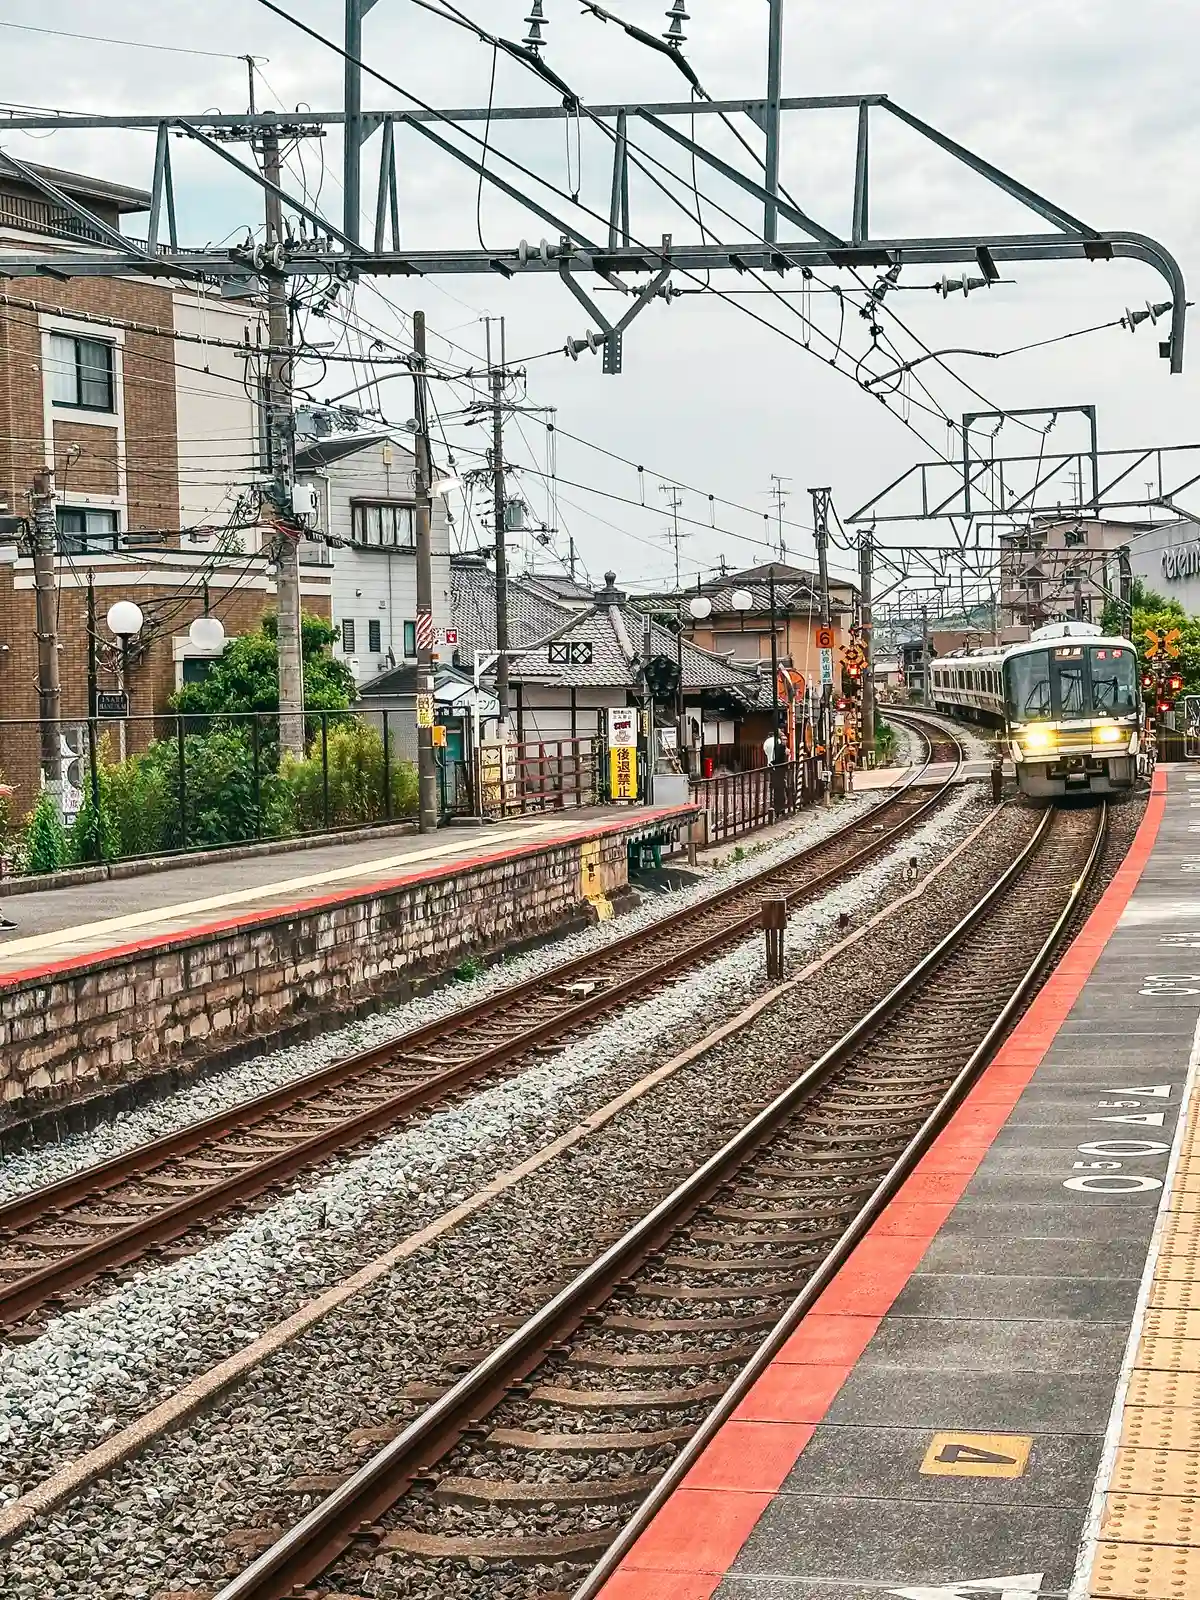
pixel 59 1238
pixel 746 1243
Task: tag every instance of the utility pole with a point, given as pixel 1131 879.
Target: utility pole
pixel 925 699
pixel 281 433
pixel 426 761
pixel 673 534
pixel 820 500
pixel 779 495
pixel 500 506
pixel 45 587
pixel 866 562
pixel 1125 571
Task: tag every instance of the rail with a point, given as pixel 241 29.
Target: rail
pixel 479 1038
pixel 306 1550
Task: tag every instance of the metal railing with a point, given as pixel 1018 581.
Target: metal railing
pixel 739 802
pixel 546 775
pixel 175 784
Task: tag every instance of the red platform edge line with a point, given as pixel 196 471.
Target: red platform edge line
pixel 281 913
pixel 695 1539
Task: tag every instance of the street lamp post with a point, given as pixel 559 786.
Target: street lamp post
pixel 700 607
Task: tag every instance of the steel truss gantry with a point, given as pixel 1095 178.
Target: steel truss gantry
pixel 572 251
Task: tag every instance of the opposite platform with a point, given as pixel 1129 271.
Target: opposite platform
pixel 1006 1373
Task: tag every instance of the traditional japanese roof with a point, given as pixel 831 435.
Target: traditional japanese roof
pixel 531 615
pixel 605 647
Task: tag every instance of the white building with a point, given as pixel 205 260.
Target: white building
pixel 366 510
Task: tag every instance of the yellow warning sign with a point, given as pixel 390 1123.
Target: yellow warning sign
pixel 622 773
pixel 977 1455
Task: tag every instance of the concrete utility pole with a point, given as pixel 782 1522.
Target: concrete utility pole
pixel 866 562
pixel 820 500
pixel 673 534
pixel 926 699
pixel 500 504
pixel 426 761
pixel 45 588
pixel 281 433
pixel 1125 571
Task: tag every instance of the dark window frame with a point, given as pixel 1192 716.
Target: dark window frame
pixel 410 639
pixel 108 372
pixel 349 646
pixel 374 636
pixel 358 529
pixel 82 541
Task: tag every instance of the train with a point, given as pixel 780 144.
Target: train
pixel 1069 701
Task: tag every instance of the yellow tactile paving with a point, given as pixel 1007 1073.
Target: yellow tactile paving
pixel 1149 1540
pixel 1151 1519
pixel 1170 1355
pixel 1155 1471
pixel 1170 1390
pixel 1146 1572
pixel 1175 1427
pixel 1178 1292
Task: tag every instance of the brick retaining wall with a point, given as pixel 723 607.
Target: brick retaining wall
pixel 96 1026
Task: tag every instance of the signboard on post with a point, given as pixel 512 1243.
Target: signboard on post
pixel 826 666
pixel 622 753
pixel 424 711
pixel 824 639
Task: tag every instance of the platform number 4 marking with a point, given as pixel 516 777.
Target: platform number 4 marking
pixel 1017 1586
pixel 977 1455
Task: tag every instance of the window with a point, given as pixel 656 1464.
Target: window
pixel 383 527
pixel 194 669
pixel 410 638
pixel 374 636
pixel 84 532
pixel 1028 682
pixel 347 636
pixel 81 373
pixel 1114 681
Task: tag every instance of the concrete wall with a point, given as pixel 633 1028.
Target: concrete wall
pixel 98 1027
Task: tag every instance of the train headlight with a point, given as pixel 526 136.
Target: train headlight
pixel 1111 735
pixel 1038 738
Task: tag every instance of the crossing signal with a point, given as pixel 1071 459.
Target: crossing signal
pixel 1174 683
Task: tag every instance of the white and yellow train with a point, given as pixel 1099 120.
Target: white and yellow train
pixel 1069 701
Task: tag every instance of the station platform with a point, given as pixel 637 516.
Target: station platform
pixel 999 1393
pixel 94 922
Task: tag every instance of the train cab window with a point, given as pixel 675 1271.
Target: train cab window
pixel 1114 681
pixel 1028 685
pixel 1070 687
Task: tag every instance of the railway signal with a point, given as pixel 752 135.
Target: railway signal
pixel 1162 642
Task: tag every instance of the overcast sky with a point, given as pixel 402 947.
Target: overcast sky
pixel 1092 105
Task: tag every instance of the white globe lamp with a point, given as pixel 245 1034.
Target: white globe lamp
pixel 700 607
pixel 742 599
pixel 125 619
pixel 207 634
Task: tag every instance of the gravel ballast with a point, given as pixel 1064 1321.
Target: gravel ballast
pixel 115 1359
pixel 29 1169
pixel 293 1415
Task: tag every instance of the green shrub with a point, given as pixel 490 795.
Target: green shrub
pixel 45 840
pixel 354 751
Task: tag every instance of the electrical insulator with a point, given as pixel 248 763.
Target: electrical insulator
pixel 537 21
pixel 676 16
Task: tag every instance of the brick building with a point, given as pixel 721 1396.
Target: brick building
pixel 143 396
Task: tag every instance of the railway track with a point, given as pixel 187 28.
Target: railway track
pixel 58 1239
pixel 525 1470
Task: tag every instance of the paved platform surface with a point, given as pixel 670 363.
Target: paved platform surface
pixel 999 1394
pixel 89 921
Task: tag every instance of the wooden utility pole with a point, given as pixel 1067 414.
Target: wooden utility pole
pixel 866 561
pixel 281 433
pixel 426 760
pixel 500 507
pixel 42 504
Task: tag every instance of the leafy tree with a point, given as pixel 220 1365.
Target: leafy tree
pixel 1171 615
pixel 1143 599
pixel 246 678
pixel 45 840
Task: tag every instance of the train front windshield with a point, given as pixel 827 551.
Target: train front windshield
pixel 1066 682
